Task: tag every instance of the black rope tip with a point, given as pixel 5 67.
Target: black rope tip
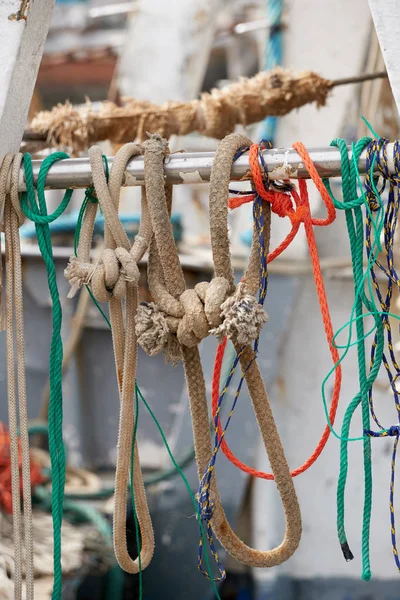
pixel 347 553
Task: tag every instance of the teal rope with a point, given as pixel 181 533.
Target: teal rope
pixel 36 210
pixel 355 225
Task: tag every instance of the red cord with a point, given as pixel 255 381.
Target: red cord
pixel 281 204
pixel 5 470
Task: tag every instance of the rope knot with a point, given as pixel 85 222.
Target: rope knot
pixel 281 203
pixel 393 431
pixel 154 332
pixel 200 312
pixel 107 278
pixel 205 504
pixel 243 317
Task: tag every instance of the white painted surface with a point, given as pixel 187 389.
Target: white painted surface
pixel 386 16
pixel 165 57
pixel 167 49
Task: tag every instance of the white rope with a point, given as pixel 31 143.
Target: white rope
pixel 73 543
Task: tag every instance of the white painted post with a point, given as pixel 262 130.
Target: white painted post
pixel 23 32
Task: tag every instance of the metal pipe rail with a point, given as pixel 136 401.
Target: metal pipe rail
pixel 195 167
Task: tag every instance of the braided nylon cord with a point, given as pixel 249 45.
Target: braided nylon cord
pixel 354 220
pixel 379 150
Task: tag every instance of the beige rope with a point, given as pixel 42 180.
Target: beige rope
pixel 189 315
pixel 16 382
pixel 114 278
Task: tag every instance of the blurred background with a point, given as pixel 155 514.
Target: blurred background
pixel 162 50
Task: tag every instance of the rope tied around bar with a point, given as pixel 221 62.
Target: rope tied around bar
pixel 296 207
pixel 215 307
pixel 377 160
pixel 113 279
pixel 167 287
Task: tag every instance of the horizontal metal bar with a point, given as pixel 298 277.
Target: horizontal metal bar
pixel 195 167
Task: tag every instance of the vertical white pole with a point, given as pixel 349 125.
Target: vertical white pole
pixel 23 31
pixel 386 17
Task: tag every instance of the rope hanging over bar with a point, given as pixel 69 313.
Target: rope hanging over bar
pixel 195 167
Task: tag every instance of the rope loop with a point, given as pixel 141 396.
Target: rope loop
pixel 376 159
pixel 9 172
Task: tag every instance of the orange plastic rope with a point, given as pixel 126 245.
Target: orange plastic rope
pixel 281 204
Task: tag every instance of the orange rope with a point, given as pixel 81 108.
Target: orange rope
pixel 5 470
pixel 281 204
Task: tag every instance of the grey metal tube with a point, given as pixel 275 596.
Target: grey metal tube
pixel 195 167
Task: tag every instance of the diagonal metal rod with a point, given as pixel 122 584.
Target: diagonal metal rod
pixel 195 167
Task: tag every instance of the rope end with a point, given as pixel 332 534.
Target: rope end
pixel 366 576
pixel 347 553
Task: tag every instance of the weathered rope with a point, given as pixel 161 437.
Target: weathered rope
pixel 204 500
pixel 214 114
pixel 189 313
pixel 16 382
pixel 115 278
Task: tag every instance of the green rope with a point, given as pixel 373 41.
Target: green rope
pixel 355 226
pixel 36 210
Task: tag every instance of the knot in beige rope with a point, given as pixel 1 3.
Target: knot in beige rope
pixel 186 322
pixel 107 278
pixel 242 317
pixel 204 310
